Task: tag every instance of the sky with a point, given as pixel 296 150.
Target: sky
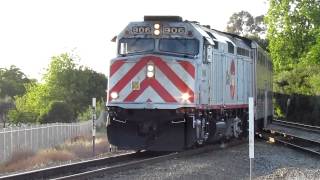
pixel 33 31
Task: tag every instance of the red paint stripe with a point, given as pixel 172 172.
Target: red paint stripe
pixel 129 76
pixel 115 66
pixel 165 95
pixel 162 92
pixel 172 76
pixel 188 67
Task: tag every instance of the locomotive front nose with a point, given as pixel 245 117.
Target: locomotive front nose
pixel 161 82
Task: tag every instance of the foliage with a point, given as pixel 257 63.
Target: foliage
pixel 64 82
pixel 12 82
pixel 58 112
pixel 244 24
pixel 293 28
pixel 302 79
pixel 87 114
pixel 18 117
pixel 5 105
pixel 294 36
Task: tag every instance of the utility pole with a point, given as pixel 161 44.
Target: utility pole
pixel 93 125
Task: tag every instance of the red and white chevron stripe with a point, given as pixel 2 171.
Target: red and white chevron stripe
pixel 171 80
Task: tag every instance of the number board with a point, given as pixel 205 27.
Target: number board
pixel 164 30
pixel 173 30
pixel 141 30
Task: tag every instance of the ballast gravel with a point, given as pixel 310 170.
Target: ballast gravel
pixel 271 162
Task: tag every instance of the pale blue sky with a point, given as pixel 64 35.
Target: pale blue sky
pixel 33 31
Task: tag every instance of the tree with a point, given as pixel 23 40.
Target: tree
pixel 244 24
pixel 74 84
pixel 293 28
pixel 64 82
pixel 58 112
pixel 5 105
pixel 12 82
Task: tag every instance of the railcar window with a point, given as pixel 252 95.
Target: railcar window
pixel 216 45
pixel 180 46
pixel 135 45
pixel 230 47
pixel 242 51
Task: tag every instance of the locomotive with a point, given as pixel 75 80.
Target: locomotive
pixel 178 84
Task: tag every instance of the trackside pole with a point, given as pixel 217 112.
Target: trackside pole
pixel 93 125
pixel 251 133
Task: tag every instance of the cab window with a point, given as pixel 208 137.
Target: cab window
pixel 135 45
pixel 180 46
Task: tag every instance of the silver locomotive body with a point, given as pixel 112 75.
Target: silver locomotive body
pixel 176 84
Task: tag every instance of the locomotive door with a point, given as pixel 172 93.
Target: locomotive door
pixel 205 89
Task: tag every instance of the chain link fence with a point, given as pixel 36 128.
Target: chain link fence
pixel 35 137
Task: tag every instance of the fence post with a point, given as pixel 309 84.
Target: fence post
pixel 10 141
pixel 69 125
pixel 48 136
pixel 55 134
pixel 18 138
pixel 61 135
pixel 42 135
pixel 31 140
pixel 2 155
pixel 4 144
pixel 37 137
pixel 25 137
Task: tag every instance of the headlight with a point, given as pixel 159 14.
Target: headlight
pixel 150 70
pixel 150 74
pixel 156 26
pixel 185 96
pixel 114 95
pixel 150 67
pixel 156 32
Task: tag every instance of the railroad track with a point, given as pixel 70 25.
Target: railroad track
pixel 295 125
pixel 300 143
pixel 103 166
pixel 77 167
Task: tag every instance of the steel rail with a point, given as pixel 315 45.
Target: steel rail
pixel 297 125
pixel 291 140
pixel 101 166
pixel 152 160
pixel 67 168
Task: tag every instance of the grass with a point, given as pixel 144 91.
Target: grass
pixel 74 149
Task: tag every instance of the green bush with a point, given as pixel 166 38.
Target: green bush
pixel 18 117
pixel 87 114
pixel 58 111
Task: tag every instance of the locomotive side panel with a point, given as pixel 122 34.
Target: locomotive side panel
pixel 230 80
pixel 263 87
pixel 217 79
pixel 241 82
pixel 244 80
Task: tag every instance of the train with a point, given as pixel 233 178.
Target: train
pixel 176 84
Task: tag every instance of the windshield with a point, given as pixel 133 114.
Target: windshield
pixel 135 45
pixel 181 46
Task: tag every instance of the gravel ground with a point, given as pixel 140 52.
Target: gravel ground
pixel 271 162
